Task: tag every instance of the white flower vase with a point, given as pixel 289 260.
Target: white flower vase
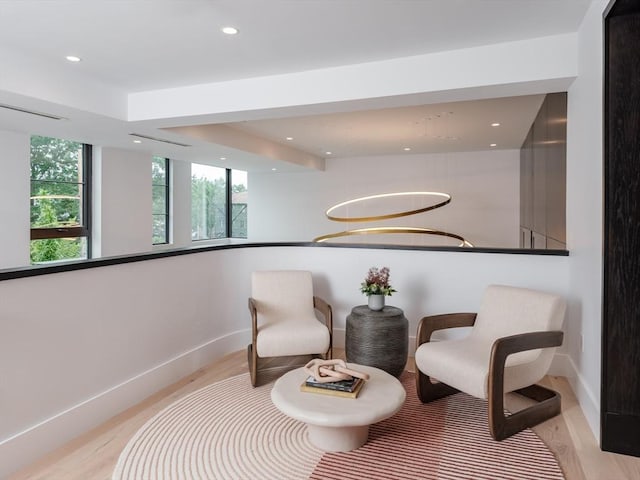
pixel 376 302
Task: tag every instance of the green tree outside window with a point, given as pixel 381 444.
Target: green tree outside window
pixel 57 191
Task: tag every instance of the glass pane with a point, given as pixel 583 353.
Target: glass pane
pixel 239 203
pixel 56 204
pixel 208 202
pixel 58 249
pixel 55 159
pixel 159 229
pixel 159 171
pixel 159 199
pixel 239 220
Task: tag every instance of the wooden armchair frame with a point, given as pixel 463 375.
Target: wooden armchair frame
pixel 252 355
pixel 500 426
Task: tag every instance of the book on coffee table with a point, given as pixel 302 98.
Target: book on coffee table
pixel 342 385
pixel 343 388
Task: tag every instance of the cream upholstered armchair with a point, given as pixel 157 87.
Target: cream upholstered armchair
pixel 283 318
pixel 509 349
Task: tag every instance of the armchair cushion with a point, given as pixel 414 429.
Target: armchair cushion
pixel 292 337
pixel 287 323
pixel 464 364
pixel 504 311
pixel 282 294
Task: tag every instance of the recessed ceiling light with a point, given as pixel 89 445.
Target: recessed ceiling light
pixel 289 138
pixel 495 124
pixel 493 145
pixel 223 158
pixel 137 141
pixel 327 153
pixel 274 169
pixel 73 58
pixel 229 30
pixel 407 149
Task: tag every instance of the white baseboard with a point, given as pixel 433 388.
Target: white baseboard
pixel 338 337
pixel 589 403
pixel 27 446
pixel 561 366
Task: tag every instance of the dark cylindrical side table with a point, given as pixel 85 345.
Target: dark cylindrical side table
pixel 378 338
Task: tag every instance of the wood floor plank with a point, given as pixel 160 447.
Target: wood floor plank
pixel 93 455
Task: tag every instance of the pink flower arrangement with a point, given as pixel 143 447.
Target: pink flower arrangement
pixel 377 282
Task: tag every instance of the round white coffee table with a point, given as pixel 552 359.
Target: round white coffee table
pixel 337 424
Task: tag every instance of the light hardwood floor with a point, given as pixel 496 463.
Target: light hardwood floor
pixel 94 454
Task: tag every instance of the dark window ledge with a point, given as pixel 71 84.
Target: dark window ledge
pixel 35 270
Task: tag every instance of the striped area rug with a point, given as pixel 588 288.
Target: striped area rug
pixel 231 431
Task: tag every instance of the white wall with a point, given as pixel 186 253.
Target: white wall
pixel 27 78
pixel 584 213
pixel 537 65
pixel 122 219
pixel 14 185
pixel 64 373
pixel 484 187
pixel 142 326
pixel 180 203
pixel 122 202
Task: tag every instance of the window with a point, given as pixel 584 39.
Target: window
pixel 239 204
pixel 208 202
pixel 60 199
pixel 219 201
pixel 160 192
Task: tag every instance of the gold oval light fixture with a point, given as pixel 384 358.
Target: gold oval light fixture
pixel 445 196
pixel 387 230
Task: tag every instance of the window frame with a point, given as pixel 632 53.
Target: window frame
pixel 228 207
pixel 84 230
pixel 167 204
pixel 230 231
pixel 226 177
pixel 228 210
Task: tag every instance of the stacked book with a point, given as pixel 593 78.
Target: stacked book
pixel 343 388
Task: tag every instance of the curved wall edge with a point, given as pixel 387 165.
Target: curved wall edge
pixel 100 340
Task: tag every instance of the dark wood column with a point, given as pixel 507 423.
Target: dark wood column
pixel 620 395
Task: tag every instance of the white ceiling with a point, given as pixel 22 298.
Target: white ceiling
pixel 139 45
pixel 444 127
